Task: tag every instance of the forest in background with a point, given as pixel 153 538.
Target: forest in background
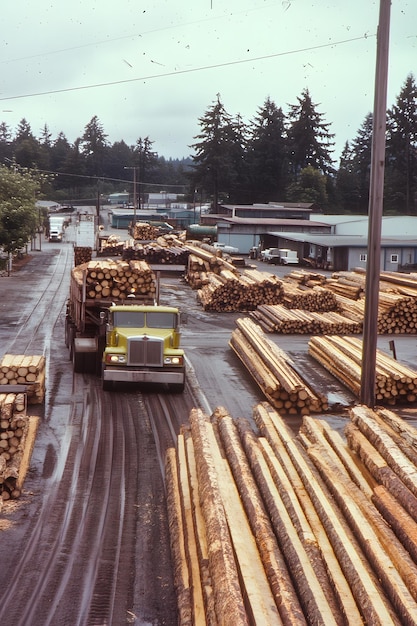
pixel 275 157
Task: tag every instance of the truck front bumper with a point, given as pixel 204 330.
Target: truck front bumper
pixel 172 377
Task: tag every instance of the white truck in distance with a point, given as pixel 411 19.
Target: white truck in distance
pixel 279 256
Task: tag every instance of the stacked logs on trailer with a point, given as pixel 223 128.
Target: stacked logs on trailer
pixel 17 434
pixel 267 527
pixel 395 383
pixel 109 279
pixel 278 319
pixel 82 254
pixel 228 292
pixel 19 369
pixel 274 372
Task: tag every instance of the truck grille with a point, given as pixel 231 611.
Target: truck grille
pixel 145 351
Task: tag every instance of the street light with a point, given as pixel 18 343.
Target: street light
pixel 134 191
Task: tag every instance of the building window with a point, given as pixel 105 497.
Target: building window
pixel 362 257
pixel 394 258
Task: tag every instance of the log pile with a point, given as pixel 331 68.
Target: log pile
pixel 230 292
pixel 273 371
pixel 278 319
pixel 19 369
pixel 201 262
pixel 316 298
pixel 82 254
pixel 16 441
pixel 109 279
pixel 112 246
pixel 157 252
pixel 142 231
pixel 342 357
pixel 271 528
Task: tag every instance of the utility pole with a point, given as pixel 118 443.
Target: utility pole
pixel 376 196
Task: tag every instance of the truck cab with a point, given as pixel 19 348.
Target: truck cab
pixel 143 345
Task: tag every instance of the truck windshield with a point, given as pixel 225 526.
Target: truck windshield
pixel 160 320
pixel 136 319
pixel 129 319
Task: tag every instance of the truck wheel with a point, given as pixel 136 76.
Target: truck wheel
pixel 107 385
pixel 177 387
pixel 78 361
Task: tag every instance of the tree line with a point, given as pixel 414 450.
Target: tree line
pixel 276 156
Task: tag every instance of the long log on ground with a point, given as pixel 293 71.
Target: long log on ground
pixel 380 469
pixel 366 589
pixel 228 601
pixel 397 460
pixel 261 607
pixel 377 541
pixel 275 567
pixel 177 540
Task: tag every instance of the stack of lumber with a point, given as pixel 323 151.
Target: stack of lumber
pixel 117 279
pixel 230 292
pixel 273 371
pixel 142 231
pixel 82 254
pixel 16 442
pixel 342 356
pixel 310 299
pixel 271 528
pixel 277 318
pixel 19 369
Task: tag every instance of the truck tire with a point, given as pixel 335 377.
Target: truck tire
pixel 78 361
pixel 106 384
pixel 177 387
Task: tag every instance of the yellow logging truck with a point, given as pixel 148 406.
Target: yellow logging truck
pixel 116 327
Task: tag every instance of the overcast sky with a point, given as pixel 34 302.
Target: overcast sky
pixel 153 68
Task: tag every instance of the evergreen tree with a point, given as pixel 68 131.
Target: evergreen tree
pixel 267 156
pixel 217 154
pixel 26 146
pixel 94 147
pixel 6 148
pixel 347 188
pixel 361 162
pixel 145 159
pixel 309 139
pixel 401 151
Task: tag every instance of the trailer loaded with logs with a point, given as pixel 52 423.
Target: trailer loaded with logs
pixel 115 326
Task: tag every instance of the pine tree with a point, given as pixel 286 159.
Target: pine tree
pixel 347 188
pixel 309 139
pixel 94 147
pixel 401 151
pixel 219 153
pixel 361 162
pixel 267 155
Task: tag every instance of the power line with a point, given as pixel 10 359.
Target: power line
pixel 189 71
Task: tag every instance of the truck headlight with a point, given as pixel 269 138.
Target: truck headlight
pixel 173 360
pixel 115 358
